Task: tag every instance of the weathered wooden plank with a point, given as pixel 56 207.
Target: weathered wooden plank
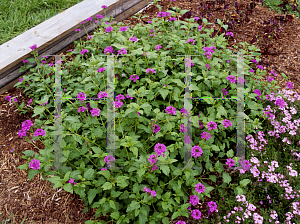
pixel 55 34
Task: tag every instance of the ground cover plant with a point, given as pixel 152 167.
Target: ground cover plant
pixel 18 16
pixel 227 152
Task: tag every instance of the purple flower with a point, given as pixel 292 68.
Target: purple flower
pixel 196 214
pixel 122 51
pixel 101 69
pixel 134 77
pixel 33 47
pixel 191 40
pixel 253 60
pixel 118 104
pixel 200 188
pixel 99 16
pixel 109 49
pixel 260 67
pixel 158 47
pixel 120 97
pixel 34 164
pixel 194 200
pixel 227 123
pixel 207 66
pixel 84 51
pixel 183 129
pixel 30 101
pixel 230 162
pixel 71 181
pixel 123 28
pixel 108 29
pixel 102 94
pixel 187 139
pixel 20 80
pixel 156 128
pixel 26 125
pixel 160 149
pixel 251 70
pixel 78 30
pixel 95 112
pixel 150 70
pixel 25 61
pixel 81 109
pixel 12 150
pixel 211 125
pixel 199 28
pixel 7 98
pixel 133 39
pixel 39 132
pixel 224 92
pixel 152 159
pixel 196 151
pixel 81 96
pixel 171 110
pixel 257 91
pixel 184 112
pixel 289 85
pixel 22 133
pixel 229 33
pixel 231 78
pixel 103 6
pixel 205 135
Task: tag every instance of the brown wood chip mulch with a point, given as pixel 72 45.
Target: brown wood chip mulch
pixel 37 199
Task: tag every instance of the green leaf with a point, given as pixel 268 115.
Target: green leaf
pixel 38 110
pixel 213 178
pixel 244 182
pixel 136 213
pixel 164 93
pixel 133 205
pixel 68 187
pixel 165 169
pixel 175 215
pixel 135 151
pixel 23 166
pixel 112 204
pixel 28 153
pixel 107 186
pixel 32 173
pixel 226 178
pixel 115 215
pixel 230 153
pixel 141 172
pixel 89 174
pixel 67 176
pixel 91 195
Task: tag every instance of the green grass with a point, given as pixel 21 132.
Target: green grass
pixel 18 16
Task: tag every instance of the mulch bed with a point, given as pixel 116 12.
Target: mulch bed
pixel 39 201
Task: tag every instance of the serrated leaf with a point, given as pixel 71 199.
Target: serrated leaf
pixel 112 204
pixel 213 178
pixel 164 93
pixel 115 215
pixel 68 187
pixel 226 178
pixel 165 169
pixel 133 205
pixel 244 182
pixel 89 174
pixel 107 186
pixel 91 195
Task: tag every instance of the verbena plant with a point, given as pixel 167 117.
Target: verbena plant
pixel 150 132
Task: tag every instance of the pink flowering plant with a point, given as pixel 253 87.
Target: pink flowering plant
pixel 150 133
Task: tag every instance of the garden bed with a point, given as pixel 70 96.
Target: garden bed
pixel 37 199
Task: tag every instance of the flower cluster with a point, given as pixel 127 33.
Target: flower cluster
pixel 209 51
